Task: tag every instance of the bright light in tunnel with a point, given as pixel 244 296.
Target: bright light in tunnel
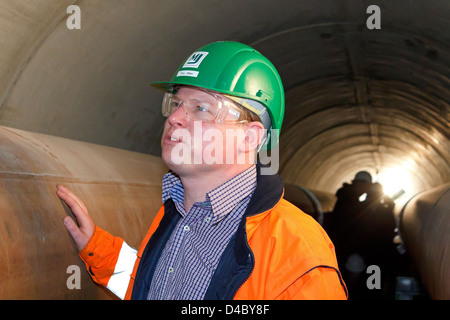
pixel 395 179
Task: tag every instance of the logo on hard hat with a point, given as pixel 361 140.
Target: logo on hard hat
pixel 195 59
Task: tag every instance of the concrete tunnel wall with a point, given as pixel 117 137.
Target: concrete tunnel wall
pixel 356 99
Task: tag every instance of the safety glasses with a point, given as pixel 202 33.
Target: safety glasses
pixel 207 106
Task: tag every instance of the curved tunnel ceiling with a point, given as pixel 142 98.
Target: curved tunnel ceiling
pixel 355 98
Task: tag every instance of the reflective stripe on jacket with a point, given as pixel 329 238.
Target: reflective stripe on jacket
pixel 278 252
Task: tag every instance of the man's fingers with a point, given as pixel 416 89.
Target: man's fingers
pixel 77 207
pixel 78 236
pixel 82 234
pixel 66 194
pixel 72 227
pixel 75 204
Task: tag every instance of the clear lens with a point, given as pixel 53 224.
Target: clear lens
pixel 206 108
pixel 166 105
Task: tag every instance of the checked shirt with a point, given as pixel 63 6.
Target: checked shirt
pixel 193 251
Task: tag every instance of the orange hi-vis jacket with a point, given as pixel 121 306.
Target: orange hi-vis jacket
pixel 278 252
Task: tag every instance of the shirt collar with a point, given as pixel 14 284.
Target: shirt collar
pixel 227 196
pixel 170 180
pixel 223 199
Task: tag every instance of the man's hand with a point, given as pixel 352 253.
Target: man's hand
pixel 82 234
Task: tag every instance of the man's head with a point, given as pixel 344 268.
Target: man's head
pixel 240 73
pixel 206 130
pixel 238 87
pixel 362 181
pixel 363 176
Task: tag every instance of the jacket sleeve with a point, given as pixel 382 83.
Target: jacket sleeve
pixel 109 260
pixel 294 258
pixel 320 283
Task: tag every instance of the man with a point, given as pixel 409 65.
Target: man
pixel 347 212
pixel 224 230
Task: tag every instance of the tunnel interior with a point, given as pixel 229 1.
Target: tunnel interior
pixel 357 98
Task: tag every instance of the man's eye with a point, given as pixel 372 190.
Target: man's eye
pixel 175 104
pixel 203 108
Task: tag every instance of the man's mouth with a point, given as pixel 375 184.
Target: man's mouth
pixel 174 138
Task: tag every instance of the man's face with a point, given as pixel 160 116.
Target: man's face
pixel 195 145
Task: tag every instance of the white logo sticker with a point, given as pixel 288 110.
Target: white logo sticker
pixel 195 59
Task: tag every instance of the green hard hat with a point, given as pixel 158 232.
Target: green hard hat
pixel 239 72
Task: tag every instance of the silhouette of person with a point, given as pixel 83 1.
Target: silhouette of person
pixel 341 225
pixel 375 232
pixel 349 205
pixel 362 227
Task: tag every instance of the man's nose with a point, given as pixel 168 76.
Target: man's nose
pixel 178 117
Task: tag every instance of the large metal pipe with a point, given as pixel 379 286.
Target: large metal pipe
pixel 313 202
pixel 425 231
pixel 121 189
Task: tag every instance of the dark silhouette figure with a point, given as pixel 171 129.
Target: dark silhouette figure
pixel 362 228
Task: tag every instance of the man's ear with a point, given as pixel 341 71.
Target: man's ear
pixel 254 133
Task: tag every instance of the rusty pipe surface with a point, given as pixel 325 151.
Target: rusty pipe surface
pixel 425 231
pixel 121 189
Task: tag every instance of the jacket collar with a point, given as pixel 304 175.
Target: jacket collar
pixel 268 192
